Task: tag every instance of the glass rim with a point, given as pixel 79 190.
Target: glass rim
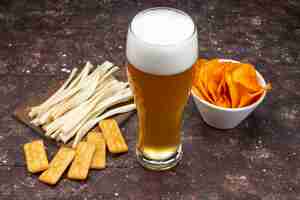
pixel 163 8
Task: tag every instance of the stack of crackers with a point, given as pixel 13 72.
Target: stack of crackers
pixel 89 154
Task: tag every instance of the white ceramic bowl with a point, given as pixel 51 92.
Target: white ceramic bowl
pixel 226 118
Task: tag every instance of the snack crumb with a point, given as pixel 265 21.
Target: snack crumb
pixel 264 170
pixel 65 70
pixel 3 158
pixel 256 21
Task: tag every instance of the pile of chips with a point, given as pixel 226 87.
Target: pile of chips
pixel 227 84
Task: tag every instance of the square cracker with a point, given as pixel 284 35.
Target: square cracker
pixel 82 162
pixel 36 156
pixel 99 158
pixel 58 165
pixel 113 136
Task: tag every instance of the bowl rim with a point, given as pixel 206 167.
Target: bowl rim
pixel 261 79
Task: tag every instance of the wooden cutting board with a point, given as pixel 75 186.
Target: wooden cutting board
pixel 22 110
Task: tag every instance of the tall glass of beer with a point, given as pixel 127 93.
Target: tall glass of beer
pixel 161 50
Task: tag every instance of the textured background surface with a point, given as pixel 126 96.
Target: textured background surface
pixel 41 40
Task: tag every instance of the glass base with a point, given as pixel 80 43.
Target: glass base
pixel 159 165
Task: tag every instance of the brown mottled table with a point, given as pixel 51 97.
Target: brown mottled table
pixel 260 159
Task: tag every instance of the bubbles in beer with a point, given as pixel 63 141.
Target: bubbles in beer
pixel 162 41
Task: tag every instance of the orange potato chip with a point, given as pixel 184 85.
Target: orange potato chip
pixel 205 92
pixel 197 68
pixel 246 76
pixel 233 90
pixel 223 93
pixel 249 98
pixel 227 84
pixel 208 69
pixel 198 93
pixel 215 80
pixel 198 80
pixel 223 101
pixel 200 62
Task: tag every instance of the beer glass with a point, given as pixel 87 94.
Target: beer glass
pixel 161 50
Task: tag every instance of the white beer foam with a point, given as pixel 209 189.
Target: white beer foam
pixel 162 41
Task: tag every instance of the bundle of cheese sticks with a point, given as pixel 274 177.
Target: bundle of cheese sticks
pixel 82 101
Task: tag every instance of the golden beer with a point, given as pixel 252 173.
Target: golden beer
pixel 160 101
pixel 160 74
